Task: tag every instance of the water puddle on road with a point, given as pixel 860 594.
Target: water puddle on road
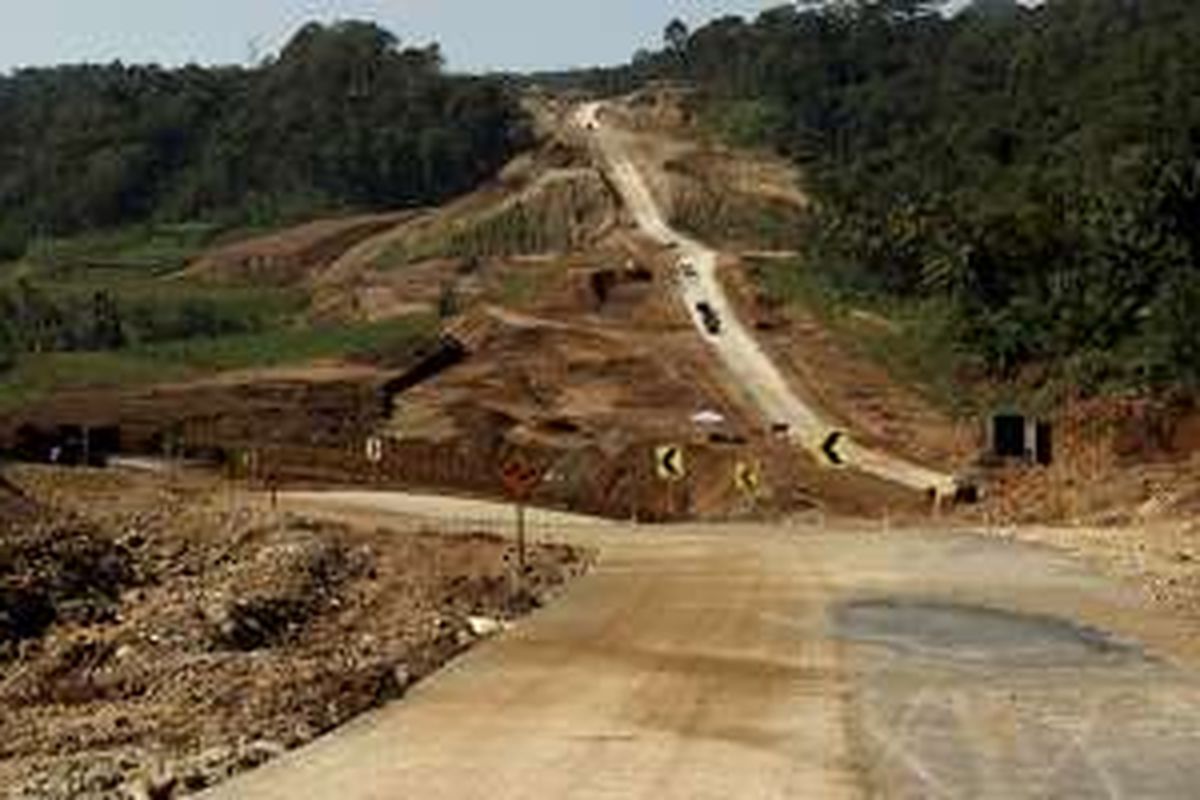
pixel 978 634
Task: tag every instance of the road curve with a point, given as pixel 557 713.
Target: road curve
pixel 665 674
pixel 751 662
pixel 735 345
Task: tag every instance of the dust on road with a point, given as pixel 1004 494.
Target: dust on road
pixel 708 662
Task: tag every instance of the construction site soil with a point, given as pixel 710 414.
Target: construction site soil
pixel 565 344
pixel 1116 460
pixel 158 634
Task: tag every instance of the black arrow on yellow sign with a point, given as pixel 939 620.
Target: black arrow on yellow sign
pixel 670 463
pixel 746 478
pixel 830 448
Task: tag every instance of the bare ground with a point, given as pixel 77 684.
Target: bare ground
pixel 167 637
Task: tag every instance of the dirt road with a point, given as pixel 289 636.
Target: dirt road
pixel 748 364
pixel 754 662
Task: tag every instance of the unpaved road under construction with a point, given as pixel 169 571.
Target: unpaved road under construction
pixel 775 662
pixel 740 353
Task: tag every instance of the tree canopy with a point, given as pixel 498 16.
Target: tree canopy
pixel 343 117
pixel 1038 169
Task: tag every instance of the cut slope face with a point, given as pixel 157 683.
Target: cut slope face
pixel 733 199
pixel 693 181
pixel 547 202
pixel 179 642
pixel 290 256
pixel 545 205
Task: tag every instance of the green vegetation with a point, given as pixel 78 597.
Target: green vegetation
pixel 113 178
pixel 106 256
pixel 39 375
pixel 1031 176
pixel 556 215
pixel 520 287
pixel 343 117
pixel 726 214
pixel 917 341
pixel 89 314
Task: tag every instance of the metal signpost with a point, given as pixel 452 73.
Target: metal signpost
pixel 374 453
pixel 671 464
pixel 520 479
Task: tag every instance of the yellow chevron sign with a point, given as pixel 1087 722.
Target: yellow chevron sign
pixel 746 477
pixel 670 463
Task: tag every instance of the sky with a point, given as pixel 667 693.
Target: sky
pixel 476 35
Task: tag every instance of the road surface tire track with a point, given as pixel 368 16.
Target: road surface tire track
pixel 743 357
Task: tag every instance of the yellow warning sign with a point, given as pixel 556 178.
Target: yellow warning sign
pixel 746 477
pixel 671 463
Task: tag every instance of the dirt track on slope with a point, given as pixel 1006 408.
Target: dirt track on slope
pixel 749 366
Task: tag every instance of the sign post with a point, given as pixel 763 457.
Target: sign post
pixel 374 454
pixel 521 538
pixel 520 479
pixel 747 479
pixel 672 468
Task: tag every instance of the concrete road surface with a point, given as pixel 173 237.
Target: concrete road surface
pixel 752 662
pixel 743 357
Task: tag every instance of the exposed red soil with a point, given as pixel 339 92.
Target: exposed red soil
pixel 189 640
pixel 290 256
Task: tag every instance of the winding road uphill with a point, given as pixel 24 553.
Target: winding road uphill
pixel 751 370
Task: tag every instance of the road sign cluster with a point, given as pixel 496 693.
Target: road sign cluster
pixel 671 465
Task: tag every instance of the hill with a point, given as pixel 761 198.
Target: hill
pixel 343 117
pixel 1027 182
pixel 116 177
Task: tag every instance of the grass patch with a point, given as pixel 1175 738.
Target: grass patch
pixel 134 253
pixel 520 287
pixel 915 341
pixel 512 231
pixel 37 376
pixel 292 346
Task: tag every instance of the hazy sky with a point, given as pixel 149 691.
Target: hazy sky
pixel 475 34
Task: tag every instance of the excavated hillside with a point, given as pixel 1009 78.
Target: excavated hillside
pixel 1116 460
pixel 545 204
pixel 155 640
pixel 292 256
pixel 563 340
pixel 736 200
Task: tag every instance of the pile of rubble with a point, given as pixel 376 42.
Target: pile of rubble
pixel 167 650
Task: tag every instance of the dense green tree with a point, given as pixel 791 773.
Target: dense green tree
pixel 1035 167
pixel 343 117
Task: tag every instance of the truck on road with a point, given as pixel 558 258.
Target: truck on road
pixel 709 318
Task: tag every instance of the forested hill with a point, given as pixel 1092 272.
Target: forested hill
pixel 1033 173
pixel 343 117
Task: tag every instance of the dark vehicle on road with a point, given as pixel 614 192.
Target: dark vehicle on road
pixel 712 323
